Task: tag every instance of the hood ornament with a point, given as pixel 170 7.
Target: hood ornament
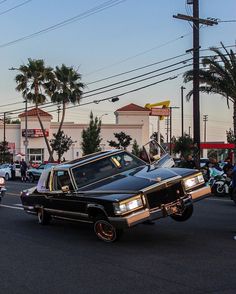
pixel 158 179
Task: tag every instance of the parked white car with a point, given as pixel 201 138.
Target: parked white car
pixel 5 171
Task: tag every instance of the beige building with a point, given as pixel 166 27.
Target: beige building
pixel 132 119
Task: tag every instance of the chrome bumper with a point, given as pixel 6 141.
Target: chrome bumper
pixel 154 214
pixel 200 193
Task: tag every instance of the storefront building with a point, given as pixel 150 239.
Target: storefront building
pixel 132 119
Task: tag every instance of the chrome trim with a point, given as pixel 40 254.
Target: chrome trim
pixel 73 213
pixel 161 183
pixel 201 193
pixel 72 219
pixel 145 214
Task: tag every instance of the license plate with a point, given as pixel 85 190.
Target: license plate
pixel 171 209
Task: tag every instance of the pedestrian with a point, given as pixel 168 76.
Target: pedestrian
pixel 13 170
pixel 23 169
pixel 188 162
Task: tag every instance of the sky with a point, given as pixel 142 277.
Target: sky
pixel 108 38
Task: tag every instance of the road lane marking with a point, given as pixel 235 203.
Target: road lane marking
pixel 13 207
pixel 12 194
pixel 219 199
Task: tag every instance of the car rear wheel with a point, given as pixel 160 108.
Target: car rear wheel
pixel 7 176
pixel 105 231
pixel 185 215
pixel 43 217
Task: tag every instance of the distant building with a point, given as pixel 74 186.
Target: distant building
pixel 132 119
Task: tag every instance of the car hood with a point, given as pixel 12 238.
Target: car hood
pixel 131 182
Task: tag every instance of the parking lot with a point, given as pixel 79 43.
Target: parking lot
pixel 197 256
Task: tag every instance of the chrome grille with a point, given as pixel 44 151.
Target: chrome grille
pixel 164 195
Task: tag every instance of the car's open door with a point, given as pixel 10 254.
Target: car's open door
pixel 156 154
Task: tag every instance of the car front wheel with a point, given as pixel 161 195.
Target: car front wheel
pixel 105 231
pixel 43 217
pixel 31 178
pixel 185 215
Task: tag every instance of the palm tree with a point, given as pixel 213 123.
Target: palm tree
pixel 218 77
pixel 65 88
pixel 31 82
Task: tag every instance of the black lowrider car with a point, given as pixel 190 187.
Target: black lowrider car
pixel 115 190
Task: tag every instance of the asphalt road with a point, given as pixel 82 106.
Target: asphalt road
pixel 197 256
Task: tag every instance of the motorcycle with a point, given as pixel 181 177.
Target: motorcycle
pixel 2 188
pixel 219 182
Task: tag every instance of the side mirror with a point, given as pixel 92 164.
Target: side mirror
pixel 65 189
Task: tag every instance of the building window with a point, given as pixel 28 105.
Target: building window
pixel 36 155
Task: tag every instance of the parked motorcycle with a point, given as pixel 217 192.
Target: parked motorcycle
pixel 2 188
pixel 219 182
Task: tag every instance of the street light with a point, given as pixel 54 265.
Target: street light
pixel 171 107
pixel 4 131
pixel 100 117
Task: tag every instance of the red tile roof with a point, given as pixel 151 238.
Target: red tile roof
pixel 33 112
pixel 133 107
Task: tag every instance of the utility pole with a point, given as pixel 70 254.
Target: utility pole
pixel 182 110
pixel 26 142
pixel 205 119
pixel 196 104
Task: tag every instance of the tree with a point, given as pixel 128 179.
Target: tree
pixel 218 77
pixel 65 88
pixel 91 136
pixel 183 145
pixel 123 140
pixel 32 83
pixel 230 136
pixel 5 155
pixel 61 144
pixel 135 148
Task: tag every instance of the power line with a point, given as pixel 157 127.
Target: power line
pixel 139 54
pixel 136 69
pixel 13 8
pixel 142 75
pixel 3 1
pixel 50 104
pixel 94 10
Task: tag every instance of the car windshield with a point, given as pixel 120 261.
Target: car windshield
pixel 4 165
pixel 105 167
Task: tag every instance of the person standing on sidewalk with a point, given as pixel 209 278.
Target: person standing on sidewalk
pixel 13 170
pixel 23 169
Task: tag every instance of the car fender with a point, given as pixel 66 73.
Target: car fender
pixel 93 209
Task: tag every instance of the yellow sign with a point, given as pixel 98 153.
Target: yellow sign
pixel 164 104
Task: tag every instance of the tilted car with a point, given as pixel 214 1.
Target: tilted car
pixel 34 174
pixel 115 190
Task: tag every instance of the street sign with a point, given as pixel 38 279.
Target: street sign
pixel 160 112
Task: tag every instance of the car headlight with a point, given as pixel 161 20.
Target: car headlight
pixel 131 204
pixel 194 181
pixel 2 181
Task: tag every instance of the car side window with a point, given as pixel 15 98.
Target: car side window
pixel 61 178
